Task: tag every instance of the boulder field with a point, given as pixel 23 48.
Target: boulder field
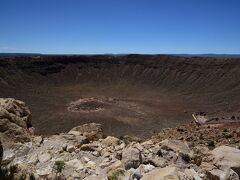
pixel 187 152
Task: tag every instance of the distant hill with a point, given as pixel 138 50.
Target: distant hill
pixel 19 54
pixel 117 55
pixel 181 55
pixel 209 55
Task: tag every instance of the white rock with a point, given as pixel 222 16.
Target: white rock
pixel 96 177
pixel 44 157
pixel 139 147
pixel 33 159
pixel 191 173
pixel 8 156
pixel 141 170
pixel 120 147
pixel 145 168
pixel 38 140
pixel 104 164
pixel 90 164
pixel 76 163
pixel 85 159
pixel 71 148
pixel 64 147
pixel 147 143
pixel 76 133
pixel 226 157
pixel 131 157
pixel 117 148
pixel 222 174
pixel 96 153
pixel 158 161
pixel 176 146
pixel 111 141
pixel 167 173
pixel 44 171
pixel 123 145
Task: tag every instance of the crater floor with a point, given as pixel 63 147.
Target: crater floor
pixel 132 94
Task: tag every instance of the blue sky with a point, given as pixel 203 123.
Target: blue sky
pixel 120 26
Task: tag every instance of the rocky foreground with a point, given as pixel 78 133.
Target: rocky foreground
pixel 189 152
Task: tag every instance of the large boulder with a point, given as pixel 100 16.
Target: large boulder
pixel 92 131
pixel 111 141
pixel 176 146
pixel 131 157
pixel 167 173
pixel 226 157
pixel 175 151
pixel 15 120
pixel 217 174
pixel 192 174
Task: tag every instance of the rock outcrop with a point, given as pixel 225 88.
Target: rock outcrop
pixel 15 121
pixel 226 157
pixel 74 156
pixel 85 153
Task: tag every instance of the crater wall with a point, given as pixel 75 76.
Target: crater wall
pixel 152 92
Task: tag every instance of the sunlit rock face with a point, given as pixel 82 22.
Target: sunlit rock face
pixel 15 121
pixel 132 94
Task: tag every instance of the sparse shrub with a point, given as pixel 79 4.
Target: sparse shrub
pixel 32 177
pixel 225 130
pixel 211 144
pixel 4 173
pixel 13 169
pixel 228 135
pixel 180 129
pixel 8 173
pixel 116 174
pixel 59 165
pixel 185 157
pixel 121 137
pixel 159 153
